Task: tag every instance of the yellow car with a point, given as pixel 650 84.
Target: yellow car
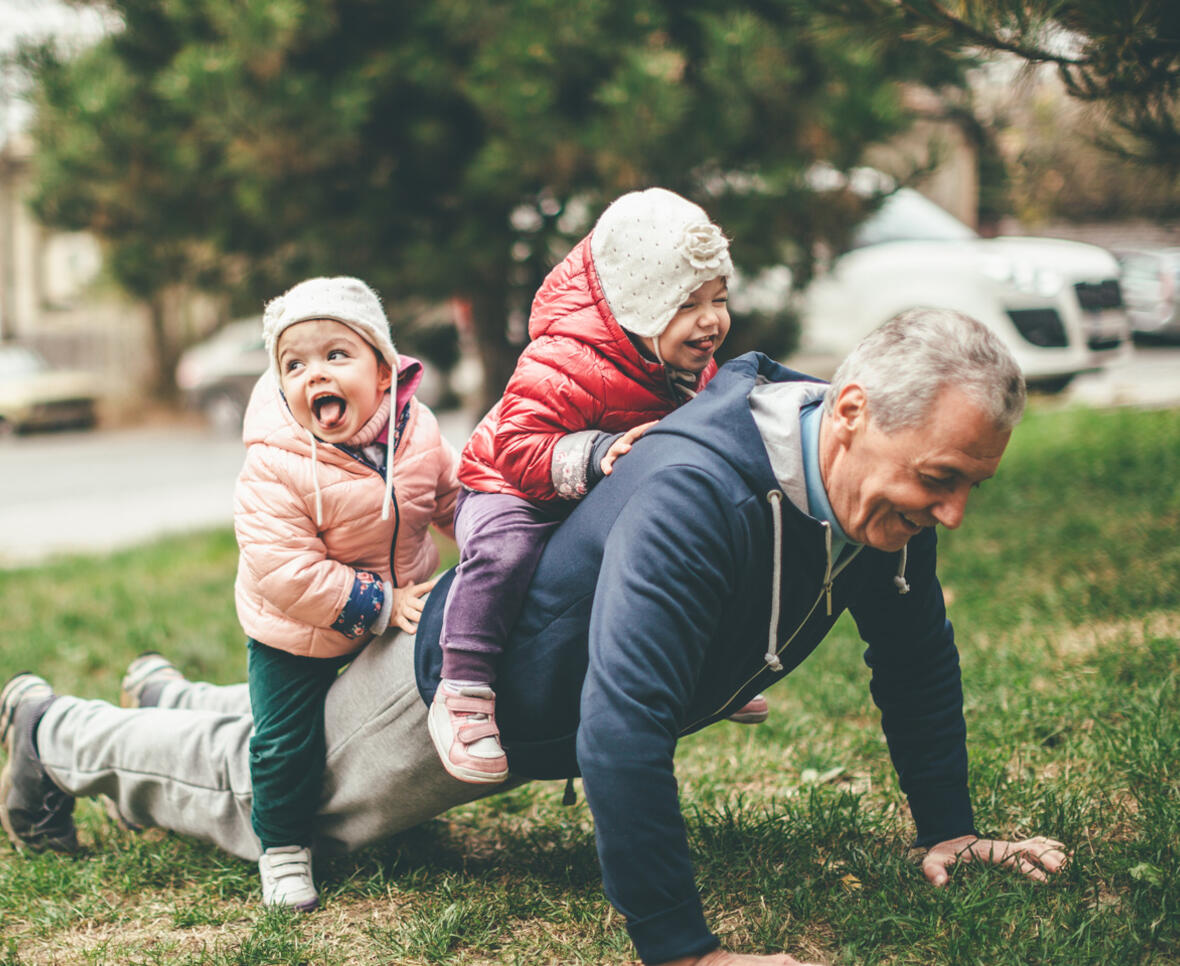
pixel 34 395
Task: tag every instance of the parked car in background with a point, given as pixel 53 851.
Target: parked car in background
pixel 217 376
pixel 1151 288
pixel 36 395
pixel 1056 304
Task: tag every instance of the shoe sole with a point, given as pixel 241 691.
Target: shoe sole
pixel 310 906
pixel 749 719
pixel 133 683
pixel 6 787
pixel 18 683
pixel 468 775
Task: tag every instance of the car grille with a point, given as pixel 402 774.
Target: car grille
pixel 1099 296
pixel 1041 327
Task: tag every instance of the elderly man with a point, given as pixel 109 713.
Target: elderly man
pixel 710 563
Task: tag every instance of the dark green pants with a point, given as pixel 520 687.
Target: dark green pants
pixel 287 749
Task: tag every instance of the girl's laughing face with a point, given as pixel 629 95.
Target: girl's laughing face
pixel 332 378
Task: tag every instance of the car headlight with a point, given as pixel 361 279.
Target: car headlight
pixel 1029 279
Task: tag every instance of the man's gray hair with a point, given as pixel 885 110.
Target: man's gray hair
pixel 905 364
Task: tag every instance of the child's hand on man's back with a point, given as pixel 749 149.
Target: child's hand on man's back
pixel 623 445
pixel 408 602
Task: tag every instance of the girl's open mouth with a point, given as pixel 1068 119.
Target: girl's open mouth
pixel 703 345
pixel 328 410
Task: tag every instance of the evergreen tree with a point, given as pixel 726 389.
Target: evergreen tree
pixel 452 148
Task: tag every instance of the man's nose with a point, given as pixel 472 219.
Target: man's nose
pixel 949 512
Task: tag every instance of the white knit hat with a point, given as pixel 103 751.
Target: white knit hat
pixel 341 299
pixel 652 249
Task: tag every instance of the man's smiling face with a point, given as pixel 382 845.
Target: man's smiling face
pixel 886 488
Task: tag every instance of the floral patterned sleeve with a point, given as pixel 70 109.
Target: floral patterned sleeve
pixel 364 606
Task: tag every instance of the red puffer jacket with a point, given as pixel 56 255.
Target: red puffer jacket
pixel 580 371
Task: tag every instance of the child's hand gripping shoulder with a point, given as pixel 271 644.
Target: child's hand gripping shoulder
pixel 622 445
pixel 408 602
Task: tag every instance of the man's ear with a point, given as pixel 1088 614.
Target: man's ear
pixel 851 412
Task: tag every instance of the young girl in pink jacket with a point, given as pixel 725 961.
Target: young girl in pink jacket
pixel 345 472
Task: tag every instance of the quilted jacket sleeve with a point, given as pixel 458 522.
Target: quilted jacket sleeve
pixel 280 547
pixel 558 388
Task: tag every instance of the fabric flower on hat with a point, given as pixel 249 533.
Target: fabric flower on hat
pixel 652 249
pixel 705 247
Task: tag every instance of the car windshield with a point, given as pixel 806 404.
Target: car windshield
pixel 17 361
pixel 906 216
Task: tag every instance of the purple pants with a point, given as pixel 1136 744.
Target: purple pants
pixel 500 540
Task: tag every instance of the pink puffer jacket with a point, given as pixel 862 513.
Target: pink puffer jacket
pixel 294 578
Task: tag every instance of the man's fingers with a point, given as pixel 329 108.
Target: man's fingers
pixel 1049 854
pixel 1035 858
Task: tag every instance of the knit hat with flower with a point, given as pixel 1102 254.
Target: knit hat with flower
pixel 341 299
pixel 652 249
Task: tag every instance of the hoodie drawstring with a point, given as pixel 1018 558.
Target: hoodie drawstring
pixel 899 581
pixel 315 482
pixel 775 499
pixel 387 502
pixel 828 568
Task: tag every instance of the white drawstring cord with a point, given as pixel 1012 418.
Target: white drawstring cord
pixel 775 498
pixel 387 502
pixel 899 581
pixel 315 482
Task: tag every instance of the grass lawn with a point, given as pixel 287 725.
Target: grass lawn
pixel 1065 591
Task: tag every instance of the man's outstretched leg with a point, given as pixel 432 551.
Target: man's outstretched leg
pixel 183 770
pixel 152 681
pixel 36 814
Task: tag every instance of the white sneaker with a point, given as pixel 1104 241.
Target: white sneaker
pixel 286 878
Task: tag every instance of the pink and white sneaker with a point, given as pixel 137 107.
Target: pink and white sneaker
pixel 463 728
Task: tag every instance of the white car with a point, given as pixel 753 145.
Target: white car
pixel 1056 304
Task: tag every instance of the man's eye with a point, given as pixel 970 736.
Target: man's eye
pixel 935 480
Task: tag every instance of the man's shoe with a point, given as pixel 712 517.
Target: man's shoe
pixel 36 814
pixel 754 711
pixel 286 878
pixel 463 727
pixel 145 676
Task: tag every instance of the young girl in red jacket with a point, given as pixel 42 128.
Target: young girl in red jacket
pixel 623 331
pixel 345 472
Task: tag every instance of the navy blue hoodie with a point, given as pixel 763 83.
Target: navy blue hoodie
pixel 648 618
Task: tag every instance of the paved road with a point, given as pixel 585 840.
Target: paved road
pixel 91 492
pixel 97 491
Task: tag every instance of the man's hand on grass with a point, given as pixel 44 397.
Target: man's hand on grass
pixel 1036 858
pixel 719 957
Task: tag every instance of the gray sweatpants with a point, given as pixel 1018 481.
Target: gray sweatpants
pixel 184 765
